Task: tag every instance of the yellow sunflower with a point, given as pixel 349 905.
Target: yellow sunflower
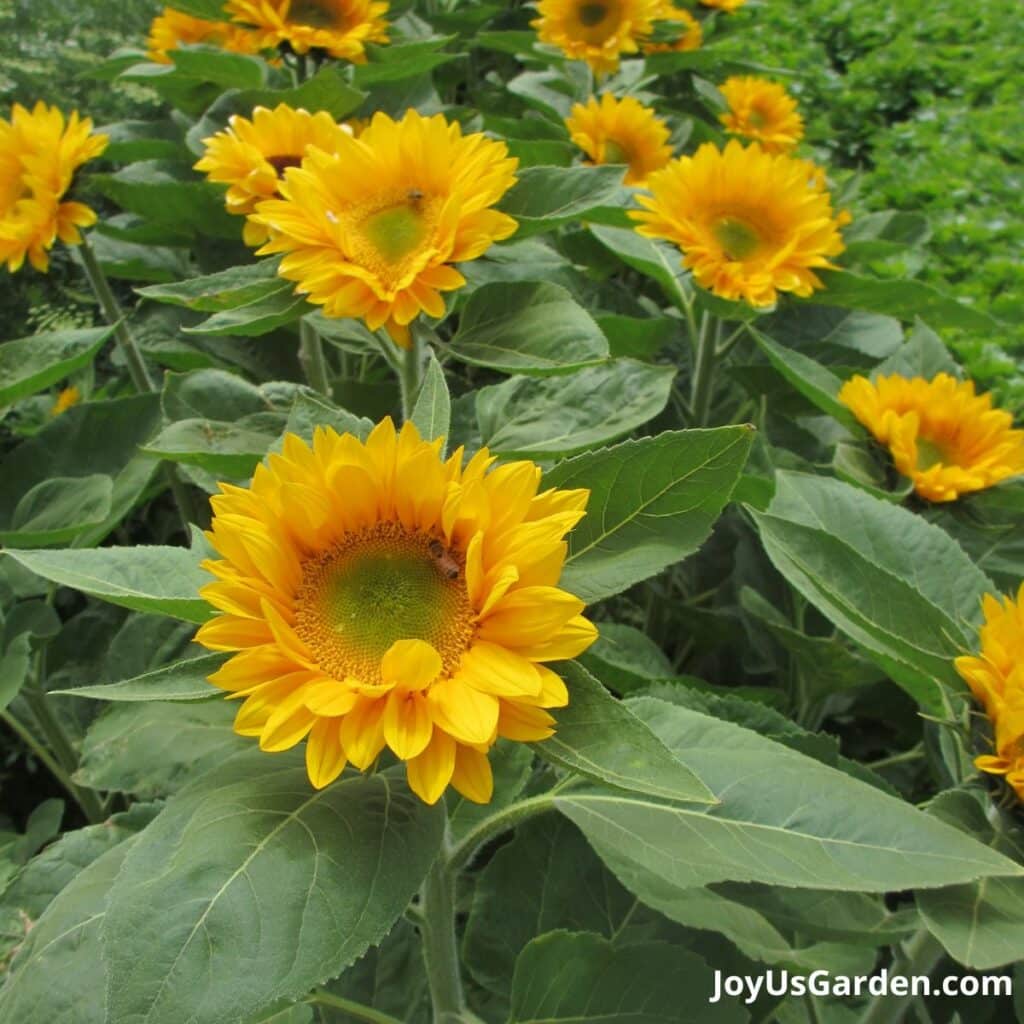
pixel 66 398
pixel 690 34
pixel 750 224
pixel 996 678
pixel 342 28
pixel 172 29
pixel 371 230
pixel 762 111
pixel 378 595
pixel 943 436
pixel 39 155
pixel 250 156
pixel 621 132
pixel 597 31
pixel 729 6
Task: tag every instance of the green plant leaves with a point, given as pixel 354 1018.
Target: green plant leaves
pixel 545 197
pixel 432 412
pixel 28 365
pixel 251 861
pixel 179 681
pixel 652 503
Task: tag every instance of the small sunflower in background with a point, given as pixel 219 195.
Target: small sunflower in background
pixel 761 111
pixel 172 29
pixel 371 229
pixel 750 224
pixel 251 155
pixel 945 438
pixel 689 34
pixel 340 28
pixel 996 678
pixel 729 6
pixel 379 595
pixel 40 152
pixel 599 32
pixel 612 131
pixel 66 398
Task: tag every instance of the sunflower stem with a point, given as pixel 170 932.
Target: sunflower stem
pixel 440 948
pixel 319 997
pixel 917 957
pixel 705 359
pixel 495 825
pixel 311 355
pixel 411 372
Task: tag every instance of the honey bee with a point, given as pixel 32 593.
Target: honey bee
pixel 414 197
pixel 443 559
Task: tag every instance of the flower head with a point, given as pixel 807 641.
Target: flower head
pixel 729 6
pixel 251 156
pixel 943 436
pixel 762 111
pixel 172 29
pixel 621 132
pixel 750 224
pixel 600 32
pixel 341 28
pixel 371 229
pixel 39 155
pixel 378 595
pixel 66 398
pixel 688 33
pixel 996 678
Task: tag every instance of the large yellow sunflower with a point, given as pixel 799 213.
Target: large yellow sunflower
pixel 378 595
pixel 689 36
pixel 250 156
pixel 371 230
pixel 762 111
pixel 171 29
pixel 597 31
pixel 341 28
pixel 749 224
pixel 996 678
pixel 39 155
pixel 621 132
pixel 943 436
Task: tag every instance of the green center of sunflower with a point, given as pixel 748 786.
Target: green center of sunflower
pixel 757 119
pixel 614 153
pixel 313 14
pixel 736 237
pixel 592 14
pixel 377 586
pixel 930 454
pixel 396 230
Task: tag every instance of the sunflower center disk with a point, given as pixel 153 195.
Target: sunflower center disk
pixel 614 153
pixel 378 586
pixel 388 238
pixel 598 21
pixel 593 14
pixel 931 454
pixel 315 15
pixel 736 237
pixel 285 160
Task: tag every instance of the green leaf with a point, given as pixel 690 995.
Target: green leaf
pixel 157 579
pixel 28 365
pixel 15 666
pixel 217 395
pixel 399 61
pixel 261 315
pixel 625 659
pixel 573 977
pixel 55 511
pixel 141 140
pixel 137 262
pixel 432 412
pixel 655 259
pixel 533 328
pixel 783 819
pixel 227 289
pixel 561 415
pixel 922 355
pixel 545 197
pixel 311 411
pixel 180 681
pixel 638 337
pixel 652 502
pixel 597 736
pixel 224 449
pixel 898 586
pixel 252 861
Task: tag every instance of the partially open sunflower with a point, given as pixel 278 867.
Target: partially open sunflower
pixel 171 29
pixel 762 111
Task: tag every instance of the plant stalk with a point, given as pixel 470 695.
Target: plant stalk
pixel 352 1008
pixel 495 825
pixel 40 750
pixel 918 956
pixel 411 372
pixel 705 359
pixel 440 949
pixel 311 355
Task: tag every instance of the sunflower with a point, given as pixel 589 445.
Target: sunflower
pixel 371 230
pixel 689 34
pixel 172 29
pixel 597 31
pixel 762 111
pixel 250 156
pixel 945 438
pixel 341 28
pixel 378 595
pixel 66 398
pixel 729 6
pixel 996 678
pixel 750 224
pixel 39 155
pixel 621 132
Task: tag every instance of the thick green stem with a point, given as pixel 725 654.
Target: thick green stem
pixel 495 825
pixel 40 750
pixel 311 355
pixel 440 949
pixel 703 385
pixel 918 957
pixel 353 1009
pixel 411 372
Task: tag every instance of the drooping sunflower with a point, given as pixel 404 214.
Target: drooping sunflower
pixel 750 224
pixel 171 29
pixel 341 28
pixel 39 155
pixel 371 230
pixel 621 132
pixel 948 440
pixel 729 6
pixel 379 595
pixel 762 111
pixel 600 32
pixel 689 36
pixel 996 678
pixel 250 156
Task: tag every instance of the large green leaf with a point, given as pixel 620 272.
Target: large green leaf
pixel 530 327
pixel 260 315
pixel 152 578
pixel 179 681
pixel 225 449
pixel 652 503
pixel 655 259
pixel 251 887
pixel 55 511
pixel 900 587
pixel 226 289
pixel 545 197
pixel 432 413
pixel 28 365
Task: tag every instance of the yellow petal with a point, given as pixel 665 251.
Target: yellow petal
pixel 472 776
pixel 289 723
pixel 408 724
pixel 325 756
pixel 330 698
pixel 465 713
pixel 430 772
pixel 410 664
pixel 524 724
pixel 529 615
pixel 572 639
pixel 499 671
pixel 362 732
